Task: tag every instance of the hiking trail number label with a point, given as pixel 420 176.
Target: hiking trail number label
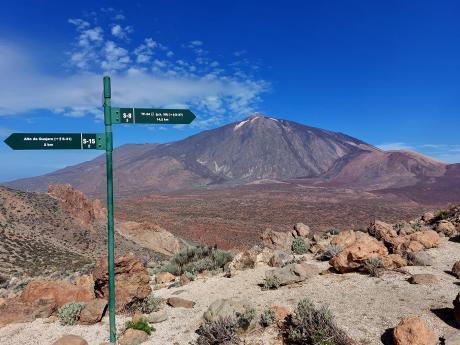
pixel 104 141
pixel 152 116
pixel 56 141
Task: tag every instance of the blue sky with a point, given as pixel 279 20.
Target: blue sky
pixel 386 72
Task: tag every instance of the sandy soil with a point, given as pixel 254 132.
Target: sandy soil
pixel 365 307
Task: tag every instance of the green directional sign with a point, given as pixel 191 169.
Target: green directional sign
pixel 56 141
pixel 152 116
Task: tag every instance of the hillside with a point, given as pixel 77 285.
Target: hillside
pixel 54 233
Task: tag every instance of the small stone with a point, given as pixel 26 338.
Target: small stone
pixel 177 302
pixel 413 330
pixel 93 311
pixel 157 316
pixel 424 279
pixel 164 277
pixel 70 339
pixel 133 337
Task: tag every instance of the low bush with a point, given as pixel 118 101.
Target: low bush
pixel 271 283
pixel 197 259
pixel 220 331
pixel 245 318
pixel 141 325
pixel 267 317
pixel 417 225
pixel 374 266
pixel 299 246
pixel 330 251
pixel 69 313
pixel 313 326
pixel 418 259
pixel 145 306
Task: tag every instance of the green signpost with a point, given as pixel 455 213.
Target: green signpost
pixel 84 141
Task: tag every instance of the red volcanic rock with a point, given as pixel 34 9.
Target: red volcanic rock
pixel 131 280
pixel 60 291
pixel 414 331
pixel 14 310
pixel 86 211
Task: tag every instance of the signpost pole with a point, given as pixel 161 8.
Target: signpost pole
pixel 110 242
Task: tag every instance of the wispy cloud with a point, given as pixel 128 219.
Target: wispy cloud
pixel 443 152
pixel 145 72
pixel 395 146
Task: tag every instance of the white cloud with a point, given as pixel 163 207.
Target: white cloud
pixel 395 146
pixel 150 74
pixel 121 32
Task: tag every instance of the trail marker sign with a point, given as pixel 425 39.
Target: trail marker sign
pixel 152 116
pixel 88 141
pixel 56 141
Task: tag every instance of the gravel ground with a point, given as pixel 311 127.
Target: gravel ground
pixel 365 307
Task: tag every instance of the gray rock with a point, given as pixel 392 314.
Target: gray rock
pixel 293 273
pixel 424 279
pixel 224 308
pixel 157 316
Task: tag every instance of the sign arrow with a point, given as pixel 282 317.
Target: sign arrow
pixel 152 116
pixel 56 141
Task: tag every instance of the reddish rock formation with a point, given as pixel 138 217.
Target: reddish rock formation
pixel 86 211
pixel 60 291
pixel 131 280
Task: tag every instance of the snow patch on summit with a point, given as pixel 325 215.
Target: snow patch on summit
pixel 239 125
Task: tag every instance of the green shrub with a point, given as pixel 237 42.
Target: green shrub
pixel 197 259
pixel 374 266
pixel 190 276
pixel 245 318
pixel 398 227
pixel 315 326
pixel 267 317
pixel 417 226
pixel 146 306
pixel 299 246
pixel 220 331
pixel 141 325
pixel 69 313
pixel 271 283
pixel 330 251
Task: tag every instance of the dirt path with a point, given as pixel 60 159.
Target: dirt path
pixel 365 307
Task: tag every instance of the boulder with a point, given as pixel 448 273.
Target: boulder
pixel 382 231
pixel 243 260
pixel 133 337
pixel 277 240
pixel 131 280
pixel 150 236
pixel 70 339
pixel 302 230
pixel 223 308
pixel 354 256
pixel 447 228
pixel 414 331
pixel 293 273
pixel 428 238
pixel 93 311
pixel 345 238
pixel 424 279
pixel 394 261
pixel 177 302
pixel 157 316
pixel 60 291
pixel 164 277
pixel 456 303
pixel 427 217
pixel 456 269
pixel 16 311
